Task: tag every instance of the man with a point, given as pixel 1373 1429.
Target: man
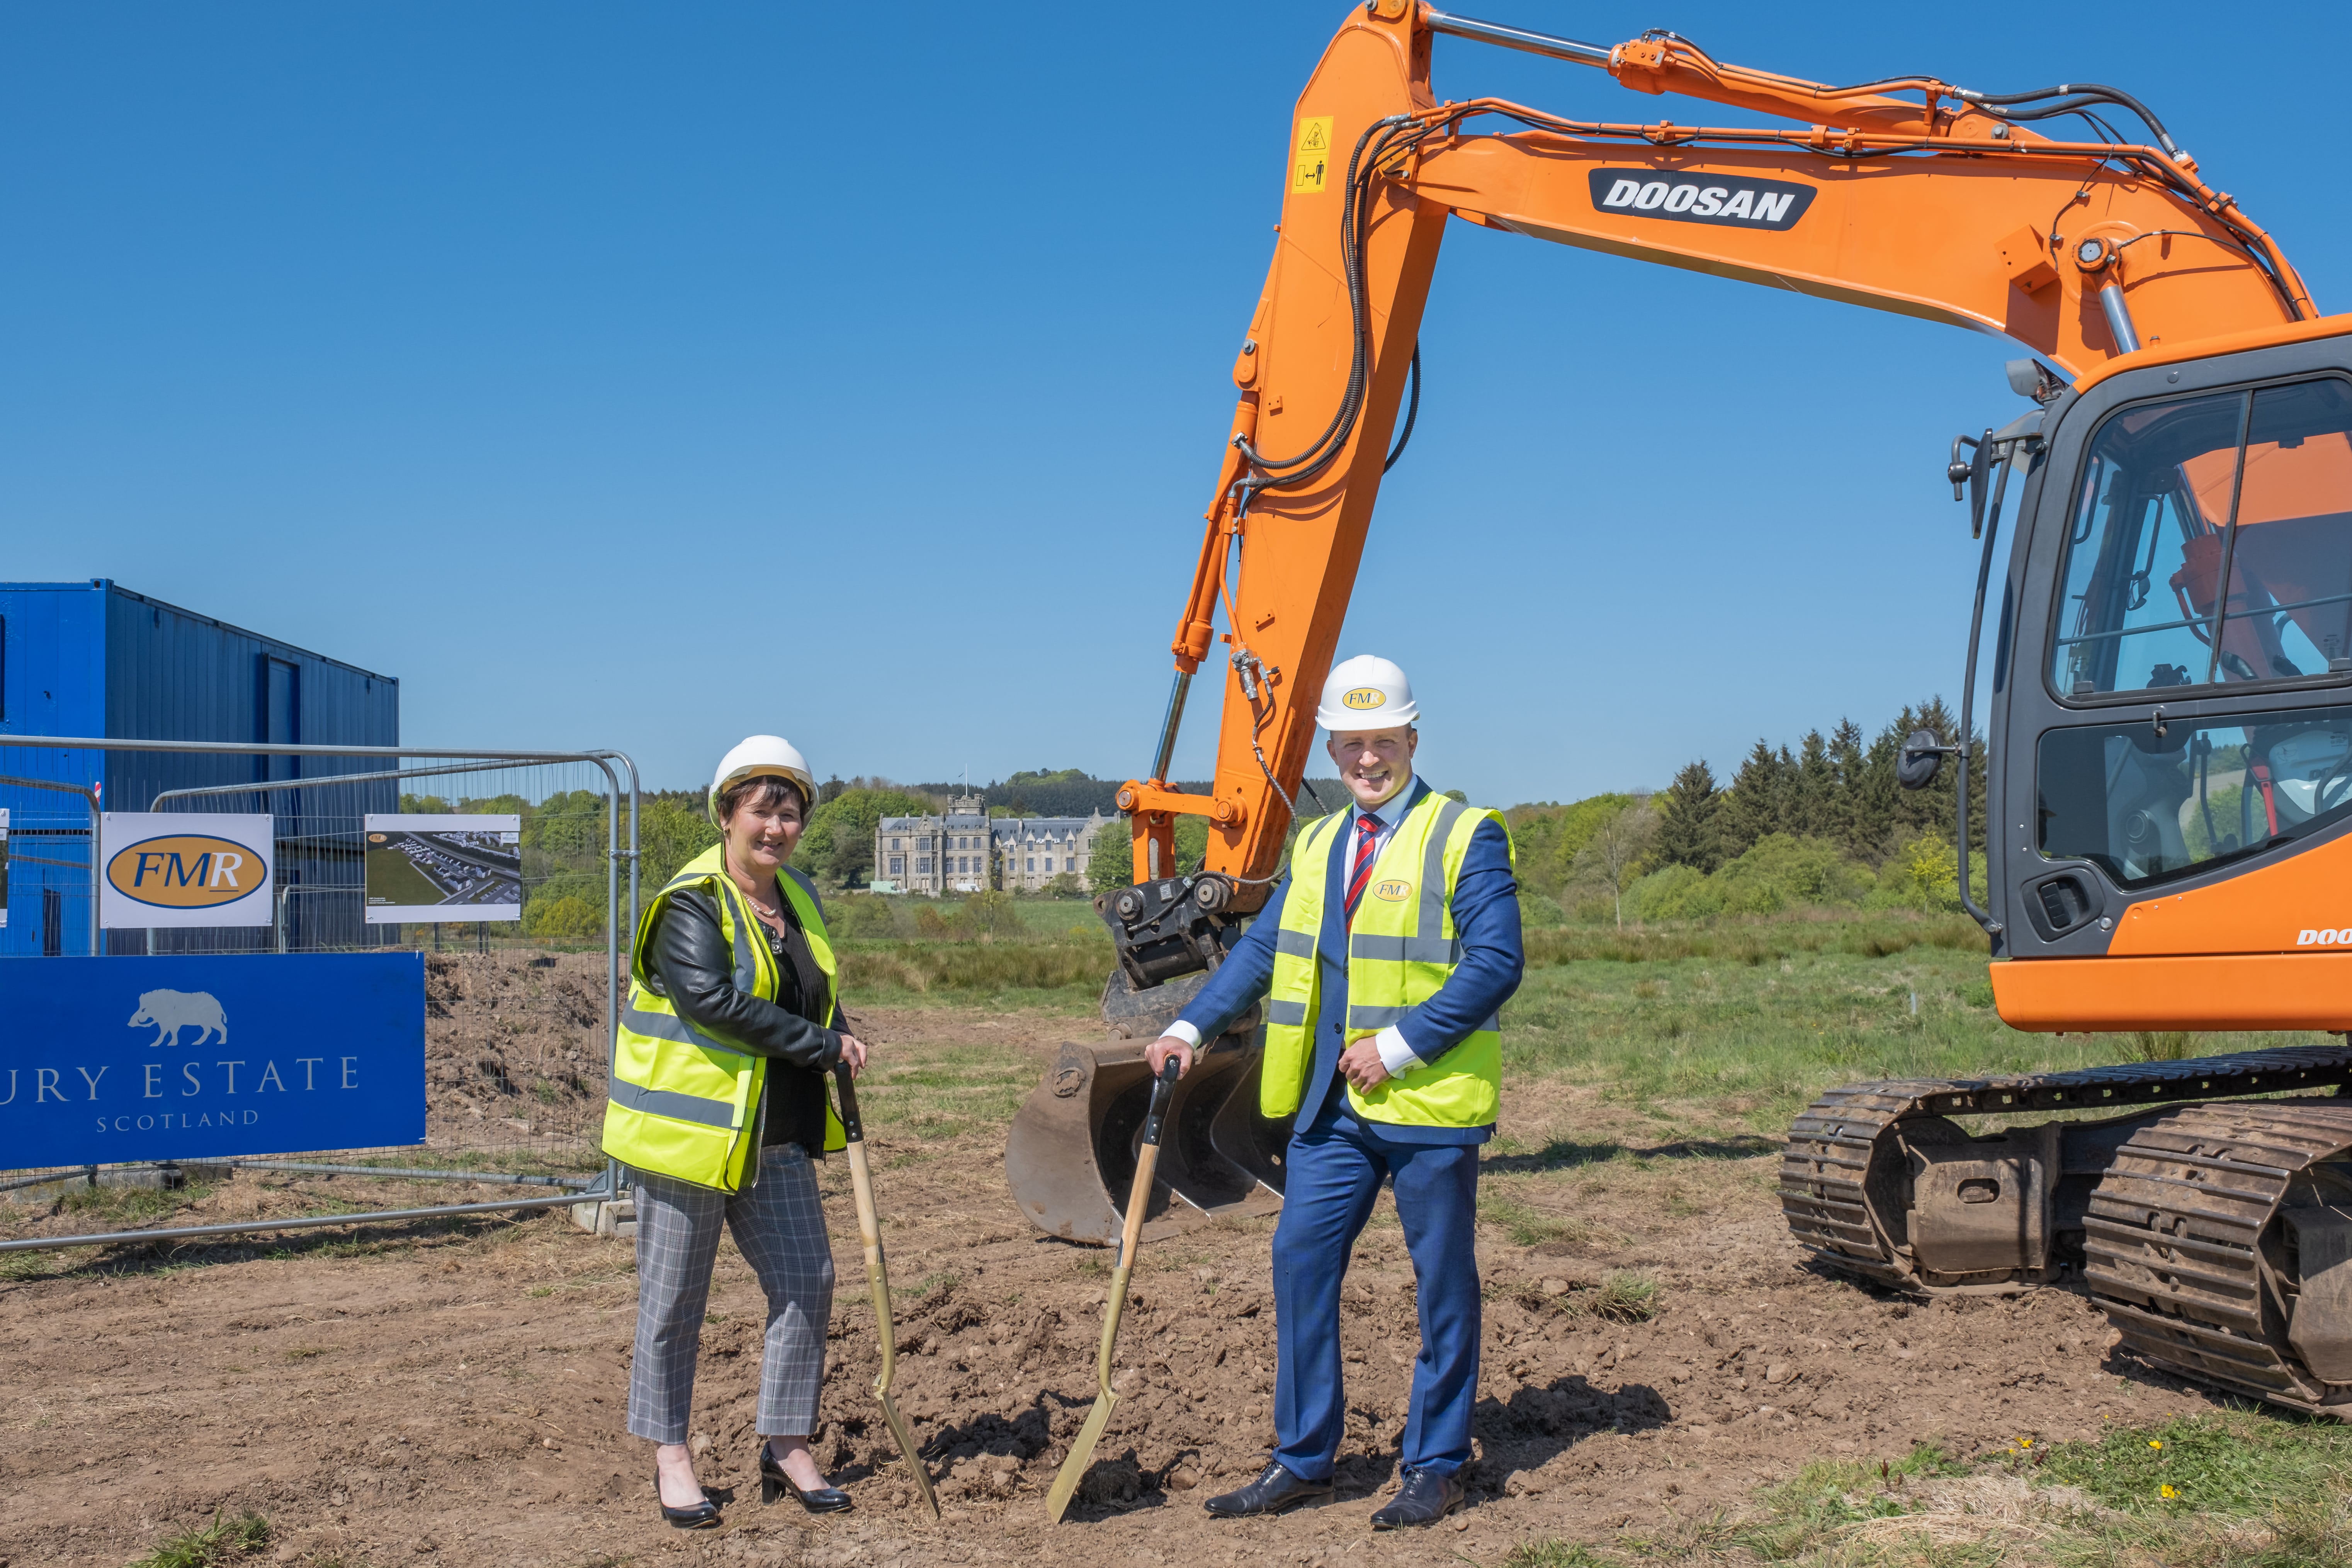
pixel 1381 959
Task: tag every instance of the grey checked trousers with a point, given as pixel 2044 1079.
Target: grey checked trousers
pixel 779 1225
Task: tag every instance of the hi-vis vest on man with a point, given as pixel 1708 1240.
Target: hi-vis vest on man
pixel 1403 949
pixel 682 1103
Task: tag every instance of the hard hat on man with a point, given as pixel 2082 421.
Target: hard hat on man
pixel 770 754
pixel 1366 692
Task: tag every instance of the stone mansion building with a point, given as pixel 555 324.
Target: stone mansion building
pixel 968 851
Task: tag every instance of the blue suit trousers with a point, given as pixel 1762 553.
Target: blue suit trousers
pixel 1335 1168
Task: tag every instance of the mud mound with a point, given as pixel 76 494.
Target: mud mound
pixel 514 1053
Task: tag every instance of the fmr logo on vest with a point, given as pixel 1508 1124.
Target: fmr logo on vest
pixel 1394 890
pixel 1365 697
pixel 184 871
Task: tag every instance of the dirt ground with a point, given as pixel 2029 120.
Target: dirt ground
pixel 454 1393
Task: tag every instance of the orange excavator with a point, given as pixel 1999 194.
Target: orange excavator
pixel 2169 824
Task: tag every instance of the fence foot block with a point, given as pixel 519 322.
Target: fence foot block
pixel 615 1218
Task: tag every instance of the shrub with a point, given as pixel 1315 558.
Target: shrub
pixel 564 919
pixel 1925 875
pixel 1537 912
pixel 1781 870
pixel 988 914
pixel 860 915
pixel 1674 893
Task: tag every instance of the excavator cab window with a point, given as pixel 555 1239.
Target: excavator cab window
pixel 2249 487
pixel 2147 803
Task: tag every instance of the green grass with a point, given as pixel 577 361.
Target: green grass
pixel 1063 974
pixel 1738 1025
pixel 1620 1298
pixel 2251 1490
pixel 1526 1227
pixel 942 1091
pixel 224 1540
pixel 105 1208
pixel 2241 1464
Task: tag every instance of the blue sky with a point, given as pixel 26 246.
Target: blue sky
pixel 859 373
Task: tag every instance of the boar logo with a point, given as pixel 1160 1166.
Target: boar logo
pixel 169 1012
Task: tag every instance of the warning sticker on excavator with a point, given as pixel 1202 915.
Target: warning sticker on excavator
pixel 1310 159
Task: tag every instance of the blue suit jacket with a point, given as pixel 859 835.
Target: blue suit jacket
pixel 1486 917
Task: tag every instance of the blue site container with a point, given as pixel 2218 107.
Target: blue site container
pixel 94 659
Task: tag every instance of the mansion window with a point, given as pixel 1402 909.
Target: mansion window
pixel 898 865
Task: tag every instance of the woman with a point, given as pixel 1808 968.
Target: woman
pixel 718 1107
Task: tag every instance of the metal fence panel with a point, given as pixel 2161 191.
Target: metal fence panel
pixel 518 1014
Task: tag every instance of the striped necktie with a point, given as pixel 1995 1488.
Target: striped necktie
pixel 1366 826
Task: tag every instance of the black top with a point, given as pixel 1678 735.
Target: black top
pixel 690 965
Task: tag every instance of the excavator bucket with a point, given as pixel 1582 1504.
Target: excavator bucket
pixel 1071 1155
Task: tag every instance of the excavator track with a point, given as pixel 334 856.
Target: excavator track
pixel 2216 1232
pixel 2187 1263
pixel 1841 1173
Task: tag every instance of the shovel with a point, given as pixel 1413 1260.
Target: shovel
pixel 1138 1196
pixel 878 1276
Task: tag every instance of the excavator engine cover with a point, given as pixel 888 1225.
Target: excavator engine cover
pixel 1071 1154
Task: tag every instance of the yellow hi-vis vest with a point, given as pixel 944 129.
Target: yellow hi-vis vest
pixel 1403 949
pixel 683 1102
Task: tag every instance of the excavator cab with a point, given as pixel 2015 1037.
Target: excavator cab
pixel 2171 700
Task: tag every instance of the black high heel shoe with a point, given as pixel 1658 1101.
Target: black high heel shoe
pixel 703 1515
pixel 775 1483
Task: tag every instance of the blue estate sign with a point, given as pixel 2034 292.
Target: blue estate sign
pixel 108 1059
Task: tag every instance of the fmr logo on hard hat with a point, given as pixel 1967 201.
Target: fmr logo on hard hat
pixel 1394 890
pixel 1365 697
pixel 184 871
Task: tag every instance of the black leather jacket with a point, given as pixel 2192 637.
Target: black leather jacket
pixel 688 963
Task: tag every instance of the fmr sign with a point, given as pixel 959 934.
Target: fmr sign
pixel 176 868
pixel 108 1060
pixel 1724 201
pixel 1365 697
pixel 1395 890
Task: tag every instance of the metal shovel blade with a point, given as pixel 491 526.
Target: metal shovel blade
pixel 1082 1450
pixel 1082 1453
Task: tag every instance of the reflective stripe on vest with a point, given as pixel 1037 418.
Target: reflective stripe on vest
pixel 680 1101
pixel 1401 951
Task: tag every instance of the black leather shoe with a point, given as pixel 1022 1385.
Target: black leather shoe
pixel 1279 1489
pixel 703 1515
pixel 775 1483
pixel 1425 1499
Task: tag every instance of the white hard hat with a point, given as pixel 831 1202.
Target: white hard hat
pixel 1366 692
pixel 770 754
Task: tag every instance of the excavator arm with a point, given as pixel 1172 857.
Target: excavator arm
pixel 1910 195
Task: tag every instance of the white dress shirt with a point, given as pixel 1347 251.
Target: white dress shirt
pixel 1395 1055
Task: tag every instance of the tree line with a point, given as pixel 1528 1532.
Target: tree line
pixel 1822 822
pixel 1836 788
